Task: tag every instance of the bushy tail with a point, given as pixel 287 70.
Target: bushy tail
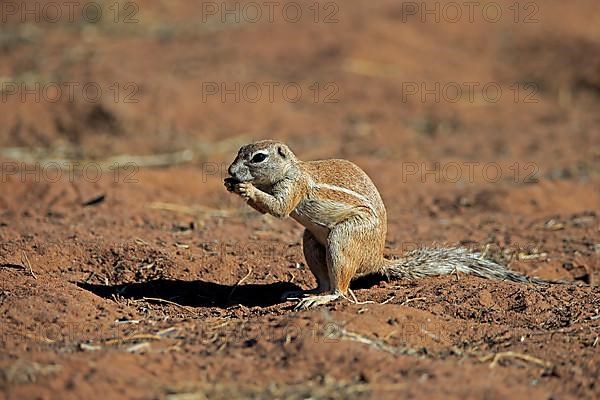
pixel 444 261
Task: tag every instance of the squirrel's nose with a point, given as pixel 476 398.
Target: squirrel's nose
pixel 232 170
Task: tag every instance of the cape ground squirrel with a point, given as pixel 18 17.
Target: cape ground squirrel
pixel 345 221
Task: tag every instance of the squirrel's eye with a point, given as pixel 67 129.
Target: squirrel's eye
pixel 259 157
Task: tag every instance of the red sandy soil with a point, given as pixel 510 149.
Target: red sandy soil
pixel 166 286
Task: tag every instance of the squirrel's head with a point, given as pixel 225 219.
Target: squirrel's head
pixel 263 163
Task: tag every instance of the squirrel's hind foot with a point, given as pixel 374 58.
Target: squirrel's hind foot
pixel 294 295
pixel 315 301
pixel 300 294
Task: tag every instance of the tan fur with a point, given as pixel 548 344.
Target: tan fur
pixel 344 217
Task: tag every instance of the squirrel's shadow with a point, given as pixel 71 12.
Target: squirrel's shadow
pixel 207 294
pixel 196 293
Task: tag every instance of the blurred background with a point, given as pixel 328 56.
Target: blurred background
pixel 398 81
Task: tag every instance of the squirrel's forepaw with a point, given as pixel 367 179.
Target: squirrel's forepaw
pixel 231 184
pixel 246 190
pixel 315 301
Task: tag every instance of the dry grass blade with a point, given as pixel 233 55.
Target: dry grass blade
pixel 405 302
pixel 337 331
pixel 26 259
pixel 153 160
pixel 239 283
pixel 89 347
pixel 60 159
pixel 158 300
pixel 138 348
pixel 167 331
pixel 220 323
pixel 328 388
pixel 196 210
pixel 511 354
pixel 24 371
pixel 354 299
pixel 368 68
pixel 136 336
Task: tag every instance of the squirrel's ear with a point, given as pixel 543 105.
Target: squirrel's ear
pixel 281 152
